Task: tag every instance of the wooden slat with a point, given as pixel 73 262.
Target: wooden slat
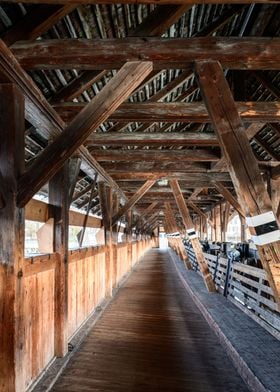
pixel 52 158
pixel 133 200
pixel 179 198
pixel 233 53
pixel 248 183
pixel 194 112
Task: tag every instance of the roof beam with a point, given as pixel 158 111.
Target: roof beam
pixel 39 112
pixel 153 139
pixel 156 155
pixel 98 110
pixel 136 167
pixel 194 112
pixel 165 53
pixel 133 200
pixel 159 2
pixel 229 197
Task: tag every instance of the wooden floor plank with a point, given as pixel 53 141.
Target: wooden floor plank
pixel 151 338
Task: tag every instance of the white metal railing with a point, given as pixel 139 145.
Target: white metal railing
pixel 246 286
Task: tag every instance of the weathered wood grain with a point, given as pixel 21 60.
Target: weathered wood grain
pixel 165 53
pixel 193 112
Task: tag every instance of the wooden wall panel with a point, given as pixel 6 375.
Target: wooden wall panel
pixel 39 323
pixel 86 289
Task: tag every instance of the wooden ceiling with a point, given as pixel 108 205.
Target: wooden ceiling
pixel 162 130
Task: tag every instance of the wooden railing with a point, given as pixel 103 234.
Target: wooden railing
pixel 246 286
pixel 88 284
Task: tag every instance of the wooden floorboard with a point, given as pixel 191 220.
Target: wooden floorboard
pixel 151 338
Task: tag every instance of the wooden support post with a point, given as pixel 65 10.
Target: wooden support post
pixel 188 223
pixel 129 235
pixel 243 168
pixel 59 200
pixel 170 218
pixel 243 228
pixel 12 337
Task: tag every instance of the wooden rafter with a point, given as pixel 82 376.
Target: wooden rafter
pixel 98 110
pixel 133 200
pixel 229 197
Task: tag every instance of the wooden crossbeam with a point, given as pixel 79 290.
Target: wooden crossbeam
pixel 197 155
pixel 200 212
pixel 165 53
pixel 245 174
pixel 188 223
pixel 153 139
pixel 193 112
pixel 136 167
pixel 39 112
pixel 190 182
pixel 144 213
pixel 52 158
pixel 161 2
pixel 229 197
pixel 133 200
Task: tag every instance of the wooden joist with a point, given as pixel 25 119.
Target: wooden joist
pixel 197 155
pixel 136 167
pixel 193 112
pixel 165 53
pixel 245 174
pixel 159 2
pixel 188 223
pixel 153 139
pixel 98 110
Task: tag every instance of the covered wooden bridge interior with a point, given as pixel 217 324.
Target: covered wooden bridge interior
pixel 130 118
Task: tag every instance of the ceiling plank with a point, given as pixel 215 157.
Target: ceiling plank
pixel 165 53
pixel 52 158
pixel 190 112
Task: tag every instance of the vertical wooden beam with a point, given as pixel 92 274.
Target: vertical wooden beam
pixel 59 200
pixel 173 227
pixel 12 337
pixel 243 167
pixel 188 223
